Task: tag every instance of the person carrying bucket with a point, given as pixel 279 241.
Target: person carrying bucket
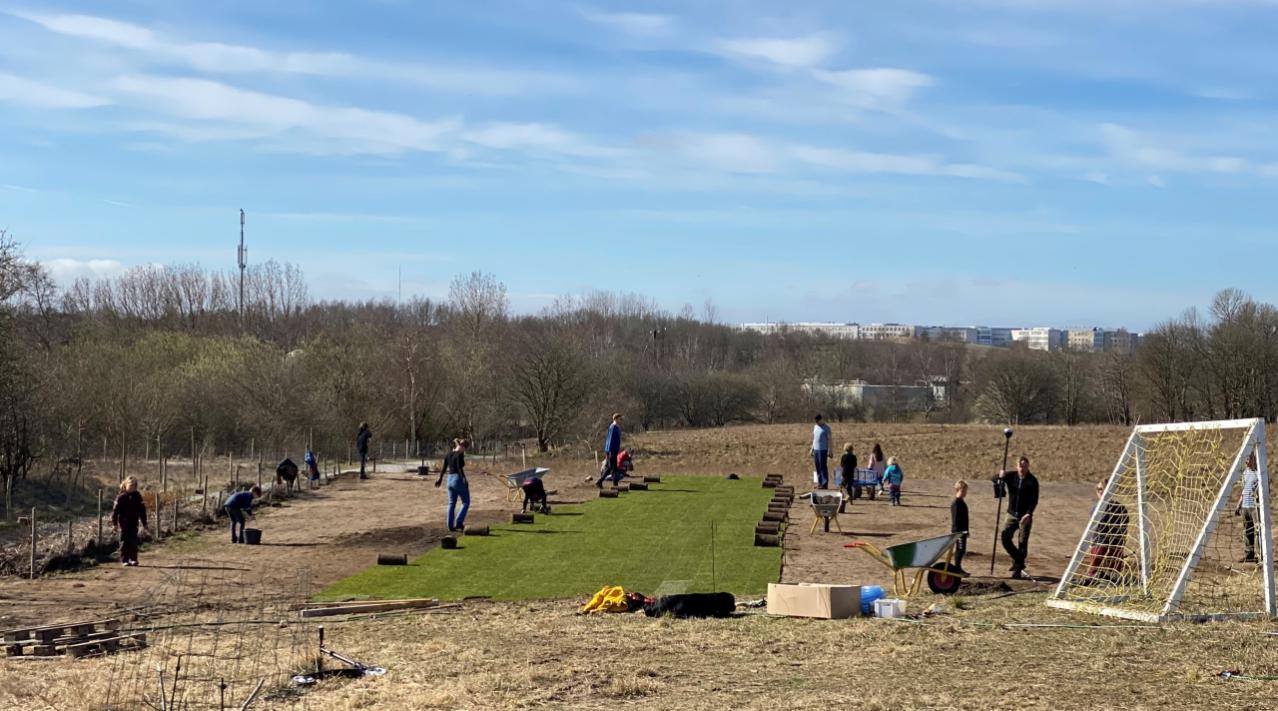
pixel 237 505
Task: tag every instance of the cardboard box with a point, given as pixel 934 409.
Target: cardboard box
pixel 828 602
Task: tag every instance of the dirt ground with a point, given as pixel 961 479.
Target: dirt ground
pixel 539 654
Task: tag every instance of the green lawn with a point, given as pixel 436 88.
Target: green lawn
pixel 639 540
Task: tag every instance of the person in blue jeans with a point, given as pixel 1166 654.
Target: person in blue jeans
pixel 612 447
pixel 821 452
pixel 458 488
pixel 237 505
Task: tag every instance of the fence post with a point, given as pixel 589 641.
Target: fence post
pixel 70 536
pixel 164 474
pixel 159 522
pixel 99 516
pixel 176 500
pixel 259 471
pixel 33 542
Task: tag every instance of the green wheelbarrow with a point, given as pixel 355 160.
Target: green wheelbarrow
pixel 930 557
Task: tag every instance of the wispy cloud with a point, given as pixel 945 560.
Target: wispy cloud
pixel 534 137
pixel 257 114
pixel 27 92
pixel 884 86
pixel 218 57
pixel 117 203
pixel 66 270
pixel 791 52
pixel 634 23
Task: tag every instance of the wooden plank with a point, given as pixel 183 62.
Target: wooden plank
pixel 359 609
pixel 13 650
pixel 43 650
pixel 367 601
pixel 110 623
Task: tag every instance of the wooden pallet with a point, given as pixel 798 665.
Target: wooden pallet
pixel 73 639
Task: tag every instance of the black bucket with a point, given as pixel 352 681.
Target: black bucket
pixel 252 536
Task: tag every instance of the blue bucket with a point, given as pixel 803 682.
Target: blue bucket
pixel 870 593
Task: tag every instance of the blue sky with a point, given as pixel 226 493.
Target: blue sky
pixel 1005 162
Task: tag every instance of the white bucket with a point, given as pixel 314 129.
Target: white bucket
pixel 889 607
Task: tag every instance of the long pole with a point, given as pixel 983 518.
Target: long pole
pixel 998 510
pixel 242 263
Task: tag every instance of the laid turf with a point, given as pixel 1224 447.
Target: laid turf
pixel 643 540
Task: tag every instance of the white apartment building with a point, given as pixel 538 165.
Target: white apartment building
pixel 850 331
pixel 889 332
pixel 1041 338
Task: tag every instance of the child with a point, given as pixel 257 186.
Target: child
pixel 238 504
pixel 958 522
pixel 312 465
pixel 892 478
pixel 847 463
pixel 126 513
pixel 625 463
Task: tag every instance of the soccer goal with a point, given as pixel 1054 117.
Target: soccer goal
pixel 1171 537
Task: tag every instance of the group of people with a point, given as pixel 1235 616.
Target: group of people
pixel 128 515
pixel 886 473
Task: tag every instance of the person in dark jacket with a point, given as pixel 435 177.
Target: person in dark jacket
pixel 1109 542
pixel 847 463
pixel 127 513
pixel 1022 499
pixel 458 488
pixel 361 446
pixel 959 523
pixel 237 505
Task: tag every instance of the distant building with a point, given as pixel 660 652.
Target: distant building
pixel 1085 340
pixel 849 393
pixel 889 332
pixel 850 331
pixel 1119 341
pixel 1040 338
pixel 950 334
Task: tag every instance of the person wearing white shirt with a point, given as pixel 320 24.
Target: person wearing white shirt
pixel 821 452
pixel 1248 507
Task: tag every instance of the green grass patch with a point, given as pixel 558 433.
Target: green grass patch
pixel 639 540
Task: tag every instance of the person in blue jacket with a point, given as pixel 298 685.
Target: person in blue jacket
pixel 612 447
pixel 237 505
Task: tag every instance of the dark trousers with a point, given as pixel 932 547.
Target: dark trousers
pixel 1016 540
pixel 363 459
pixel 129 543
pixel 237 520
pixel 609 469
pixel 1249 530
pixel 960 550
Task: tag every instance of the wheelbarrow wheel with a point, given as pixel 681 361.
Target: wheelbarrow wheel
pixel 856 493
pixel 944 583
pixel 872 492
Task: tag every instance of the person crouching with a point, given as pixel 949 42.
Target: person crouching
pixel 237 506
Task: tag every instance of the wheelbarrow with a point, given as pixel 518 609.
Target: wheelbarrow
pixel 930 557
pixel 860 481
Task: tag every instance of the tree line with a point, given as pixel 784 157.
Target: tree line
pixel 162 359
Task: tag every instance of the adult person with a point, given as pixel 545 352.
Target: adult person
pixel 877 464
pixel 237 506
pixel 612 447
pixel 821 451
pixel 458 488
pixel 1022 499
pixel 127 513
pixel 1110 541
pixel 361 446
pixel 1248 507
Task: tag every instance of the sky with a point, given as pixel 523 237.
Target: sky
pixel 999 162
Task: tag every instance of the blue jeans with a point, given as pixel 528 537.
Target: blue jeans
pixel 457 489
pixel 821 457
pixel 237 519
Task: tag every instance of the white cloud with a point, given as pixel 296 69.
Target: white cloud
pixel 18 90
pixel 535 137
pixel 235 59
pixel 1157 181
pixel 795 52
pixel 876 87
pixel 634 23
pixel 849 161
pixel 1146 151
pixel 65 270
pixel 254 114
pixel 733 152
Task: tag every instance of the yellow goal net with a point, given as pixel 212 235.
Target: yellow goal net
pixel 1181 529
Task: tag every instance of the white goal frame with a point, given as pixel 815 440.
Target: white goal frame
pixel 1253 440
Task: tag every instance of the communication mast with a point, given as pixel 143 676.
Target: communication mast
pixel 242 258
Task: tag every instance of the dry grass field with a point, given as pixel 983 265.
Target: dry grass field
pixel 995 647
